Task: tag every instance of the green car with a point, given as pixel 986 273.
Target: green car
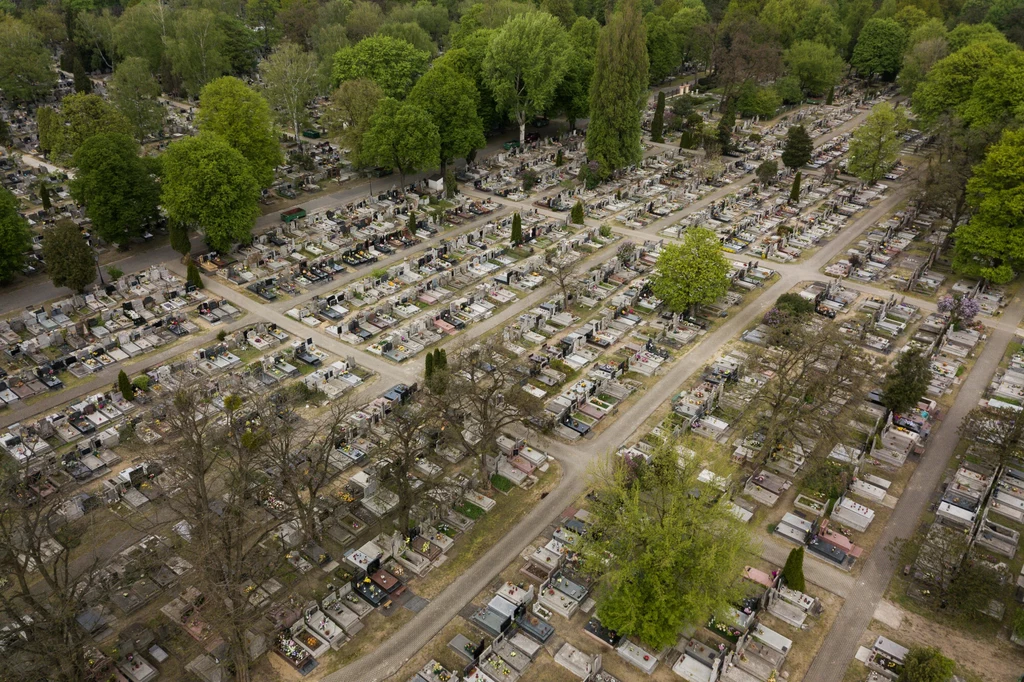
pixel 511 144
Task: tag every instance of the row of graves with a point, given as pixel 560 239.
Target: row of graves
pixel 549 160
pixel 82 335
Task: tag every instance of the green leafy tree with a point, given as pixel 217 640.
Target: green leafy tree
pixel 26 71
pixel 658 122
pixel 799 147
pixel 207 185
pixel 392 63
pixel 692 273
pixel 134 93
pixel 767 171
pixel 116 187
pixel 662 47
pixel 879 49
pixel 83 84
pixel 818 66
pixel 142 31
pixel 950 84
pixel 577 216
pixel 907 382
pixel 793 571
pixel 752 100
pixel 241 117
pixel 918 61
pixel 192 275
pixel 15 237
pixel 572 97
pixel 966 34
pixel 291 81
pixel 402 136
pixel 989 245
pixel 410 32
pixel 789 90
pixel 664 549
pixel 124 386
pixel 517 229
pixel 876 144
pixel 363 20
pixel 926 664
pixel 70 261
pixel 618 91
pixel 723 132
pixel 451 100
pixel 429 366
pixel 794 191
pixel 348 115
pixel 525 62
pixel 196 48
pixel 44 197
pixel 82 116
pixel 180 241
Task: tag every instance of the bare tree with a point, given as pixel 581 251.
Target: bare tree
pixel 217 472
pixel 563 271
pixel 993 432
pixel 482 399
pixel 47 579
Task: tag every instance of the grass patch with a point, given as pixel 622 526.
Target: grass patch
pixel 470 510
pixel 501 483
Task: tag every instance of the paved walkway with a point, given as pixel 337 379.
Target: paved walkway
pixel 840 644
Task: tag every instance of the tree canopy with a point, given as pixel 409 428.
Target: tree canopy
pixel 799 147
pixel 402 136
pixel 241 117
pixel 692 273
pixel 134 93
pixel 451 100
pixel 70 261
pixel 207 185
pixel 876 144
pixel 80 117
pixel 348 115
pixel 907 381
pixel 25 70
pixel 879 49
pixel 392 63
pixel 290 79
pixel 664 547
pixel 817 66
pixel 15 237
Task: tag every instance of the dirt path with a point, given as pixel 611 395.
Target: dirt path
pixel 994 660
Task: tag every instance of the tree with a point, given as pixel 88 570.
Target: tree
pixel 207 184
pixel 142 32
pixel 451 100
pixel 994 433
pixel 180 241
pixel 876 144
pixel 82 116
pixel 793 571
pixel 348 115
pixel 392 63
pixel 576 217
pixel 117 188
pixel 240 116
pixel 517 229
pixel 662 47
pixel 26 73
pixel 290 80
pixel 724 130
pixel 794 190
pixel 363 20
pixel 988 245
pixel 44 196
pixel 196 49
pixel 70 261
pixel 410 32
pixel 658 123
pixel 572 97
pixel 192 275
pixel 618 91
pixel 799 147
pixel 83 84
pixel 525 62
pixel 124 386
pixel 907 382
pixel 950 84
pixel 767 171
pixel 926 664
pixel 428 370
pixel 817 66
pixel 15 237
pixel 134 93
pixel 663 548
pixel 402 136
pixel 918 62
pixel 692 273
pixel 879 49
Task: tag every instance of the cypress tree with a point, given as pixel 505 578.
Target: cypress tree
pixel 831 95
pixel 559 158
pixel 179 238
pixel 577 213
pixel 442 355
pixel 82 82
pixel 618 91
pixel 794 193
pixel 517 230
pixel 412 223
pixel 793 571
pixel 725 125
pixel 658 124
pixel 192 275
pixel 429 370
pixel 44 196
pixel 799 147
pixel 124 385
